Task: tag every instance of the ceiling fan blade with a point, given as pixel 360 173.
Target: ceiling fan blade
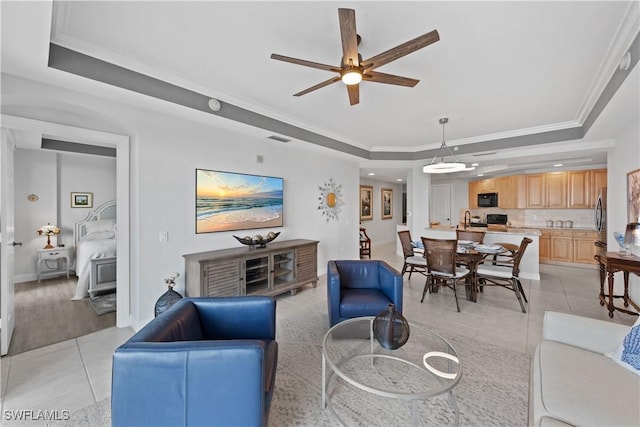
pixel 375 76
pixel 401 50
pixel 347 19
pixel 354 94
pixel 305 63
pixel 318 86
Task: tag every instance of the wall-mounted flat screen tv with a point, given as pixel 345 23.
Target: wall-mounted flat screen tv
pixel 227 201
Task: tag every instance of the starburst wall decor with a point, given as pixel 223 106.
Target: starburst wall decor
pixel 330 199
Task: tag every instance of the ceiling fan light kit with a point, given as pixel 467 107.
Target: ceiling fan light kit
pixel 353 69
pixel 438 165
pixel 352 76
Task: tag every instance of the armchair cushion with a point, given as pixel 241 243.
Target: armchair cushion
pixel 358 288
pixel 205 361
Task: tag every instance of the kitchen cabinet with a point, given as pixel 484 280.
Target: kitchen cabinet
pixel 567 246
pixel 510 191
pixel 535 189
pixel 598 181
pixel 280 267
pixel 551 190
pixel 479 187
pixel 546 190
pixel 473 194
pixel 487 186
pixel 562 245
pixel 556 190
pixel 584 247
pixel 544 245
pixel 579 189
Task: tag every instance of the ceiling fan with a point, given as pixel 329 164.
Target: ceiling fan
pixel 353 69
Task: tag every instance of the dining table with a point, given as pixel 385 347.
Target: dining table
pixel 471 254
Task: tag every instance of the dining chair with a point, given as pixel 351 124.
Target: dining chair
pixel 441 266
pixel 507 256
pixel 412 262
pixel 471 235
pixel 505 275
pixel 365 243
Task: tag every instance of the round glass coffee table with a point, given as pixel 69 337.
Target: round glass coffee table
pixel 425 367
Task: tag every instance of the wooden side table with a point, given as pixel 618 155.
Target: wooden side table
pixel 614 262
pixel 48 256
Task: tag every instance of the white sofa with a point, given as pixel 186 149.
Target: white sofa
pixel 574 382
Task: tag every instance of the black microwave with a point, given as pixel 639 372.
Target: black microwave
pixel 488 200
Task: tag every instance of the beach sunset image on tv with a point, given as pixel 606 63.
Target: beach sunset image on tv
pixel 227 201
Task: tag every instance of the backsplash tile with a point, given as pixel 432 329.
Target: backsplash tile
pixel 537 218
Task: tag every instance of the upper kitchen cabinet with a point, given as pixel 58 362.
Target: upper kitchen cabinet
pixel 480 187
pixel 510 191
pixel 598 181
pixel 535 190
pixel 556 188
pixel 547 190
pixel 584 186
pixel 579 183
pixel 551 190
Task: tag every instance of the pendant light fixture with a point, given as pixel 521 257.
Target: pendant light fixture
pixel 438 164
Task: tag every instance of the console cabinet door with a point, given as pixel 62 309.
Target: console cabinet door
pixel 256 275
pixel 222 278
pixel 307 263
pixel 283 268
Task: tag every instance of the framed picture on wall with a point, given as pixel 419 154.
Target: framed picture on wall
pixel 633 196
pixel 366 202
pixel 387 203
pixel 81 200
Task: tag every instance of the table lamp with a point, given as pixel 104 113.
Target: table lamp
pixel 48 230
pixel 632 238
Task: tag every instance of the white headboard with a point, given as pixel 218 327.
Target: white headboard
pixel 105 211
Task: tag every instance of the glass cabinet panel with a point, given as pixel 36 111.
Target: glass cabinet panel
pixel 283 268
pixel 256 274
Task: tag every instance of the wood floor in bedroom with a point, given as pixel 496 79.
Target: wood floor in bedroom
pixel 45 315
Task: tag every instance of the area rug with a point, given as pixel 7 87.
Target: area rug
pixel 493 390
pixel 103 304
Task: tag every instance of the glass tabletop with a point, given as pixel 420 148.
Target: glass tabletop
pixel 426 366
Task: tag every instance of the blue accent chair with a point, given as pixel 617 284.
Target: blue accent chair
pixel 203 362
pixel 360 288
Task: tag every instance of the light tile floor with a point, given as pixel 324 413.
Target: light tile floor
pixel 77 373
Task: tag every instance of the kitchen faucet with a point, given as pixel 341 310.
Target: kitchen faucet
pixel 467 214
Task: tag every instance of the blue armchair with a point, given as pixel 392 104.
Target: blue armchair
pixel 205 361
pixel 361 288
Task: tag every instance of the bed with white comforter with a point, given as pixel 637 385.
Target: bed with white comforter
pixel 95 239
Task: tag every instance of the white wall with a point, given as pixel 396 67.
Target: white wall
pixel 623 158
pixel 166 150
pixel 84 174
pixel 383 230
pixel 52 177
pixel 35 172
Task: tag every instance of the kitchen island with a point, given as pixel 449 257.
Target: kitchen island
pixel 529 265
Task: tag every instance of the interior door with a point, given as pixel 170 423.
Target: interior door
pixel 440 205
pixel 7 243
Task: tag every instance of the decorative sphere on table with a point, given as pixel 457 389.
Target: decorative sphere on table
pixel 390 328
pixel 169 298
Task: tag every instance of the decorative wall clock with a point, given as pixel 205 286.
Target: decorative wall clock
pixel 330 199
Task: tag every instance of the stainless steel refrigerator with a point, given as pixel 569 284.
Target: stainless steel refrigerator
pixel 600 214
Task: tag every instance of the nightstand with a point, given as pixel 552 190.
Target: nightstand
pixel 53 262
